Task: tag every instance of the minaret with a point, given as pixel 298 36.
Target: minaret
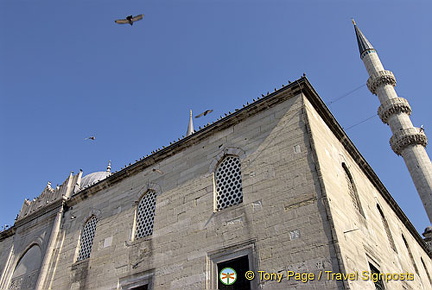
pixel 407 141
pixel 190 129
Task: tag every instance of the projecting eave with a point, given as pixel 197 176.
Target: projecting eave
pixel 231 119
pixel 301 85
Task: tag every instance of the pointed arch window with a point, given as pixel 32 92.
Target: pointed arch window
pixel 387 229
pixel 410 255
pixel 228 180
pixel 352 190
pixel 145 212
pixel 86 240
pixel 27 270
pixel 426 270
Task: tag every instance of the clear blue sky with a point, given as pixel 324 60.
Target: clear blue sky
pixel 67 71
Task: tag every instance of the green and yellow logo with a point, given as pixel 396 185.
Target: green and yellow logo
pixel 227 276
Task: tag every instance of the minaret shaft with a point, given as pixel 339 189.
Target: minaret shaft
pixel 407 140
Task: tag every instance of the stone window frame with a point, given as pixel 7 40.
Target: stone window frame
pixel 386 228
pixel 214 165
pixel 137 280
pixel 83 228
pixel 38 242
pixel 213 258
pixel 410 254
pixel 426 270
pixel 372 264
pixel 151 186
pixel 355 198
pixel 138 226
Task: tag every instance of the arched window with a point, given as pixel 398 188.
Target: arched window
pixel 387 229
pixel 228 183
pixel 426 270
pixel 145 215
pixel 352 190
pixel 86 240
pixel 27 270
pixel 410 255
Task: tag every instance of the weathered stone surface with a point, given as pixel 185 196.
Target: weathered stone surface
pixel 296 213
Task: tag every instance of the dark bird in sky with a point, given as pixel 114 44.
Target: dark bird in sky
pixel 90 138
pixel 204 113
pixel 130 19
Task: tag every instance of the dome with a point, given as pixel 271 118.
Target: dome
pixel 95 177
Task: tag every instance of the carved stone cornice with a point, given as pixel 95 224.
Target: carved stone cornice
pixel 393 106
pixel 384 77
pixel 406 137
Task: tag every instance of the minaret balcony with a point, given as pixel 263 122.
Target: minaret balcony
pixel 384 77
pixel 406 137
pixel 392 107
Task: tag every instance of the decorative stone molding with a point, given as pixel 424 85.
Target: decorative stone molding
pixel 47 196
pixel 149 186
pixel 393 106
pixel 406 137
pixel 384 77
pixel 224 152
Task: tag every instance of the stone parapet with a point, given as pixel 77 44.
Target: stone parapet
pixel 406 137
pixel 393 106
pixel 384 77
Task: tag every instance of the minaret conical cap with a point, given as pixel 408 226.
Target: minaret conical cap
pixel 362 41
pixel 190 129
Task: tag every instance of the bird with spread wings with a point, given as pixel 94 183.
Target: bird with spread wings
pixel 204 113
pixel 130 19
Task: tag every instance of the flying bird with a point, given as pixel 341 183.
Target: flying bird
pixel 90 138
pixel 204 113
pixel 130 19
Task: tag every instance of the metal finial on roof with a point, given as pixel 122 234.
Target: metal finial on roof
pixel 190 129
pixel 109 166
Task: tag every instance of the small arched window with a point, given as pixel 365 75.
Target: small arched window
pixel 86 240
pixel 410 255
pixel 426 270
pixel 352 190
pixel 145 215
pixel 387 229
pixel 228 179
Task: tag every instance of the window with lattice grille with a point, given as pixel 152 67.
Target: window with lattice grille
pixel 86 240
pixel 145 215
pixel 228 183
pixel 387 229
pixel 410 255
pixel 379 283
pixel 352 190
pixel 426 270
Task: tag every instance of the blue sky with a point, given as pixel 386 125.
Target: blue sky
pixel 67 71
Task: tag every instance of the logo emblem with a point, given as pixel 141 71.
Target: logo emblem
pixel 227 276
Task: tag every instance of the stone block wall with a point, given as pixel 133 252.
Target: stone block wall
pixel 279 223
pixel 369 237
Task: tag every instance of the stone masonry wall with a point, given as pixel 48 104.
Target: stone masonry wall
pixel 280 218
pixel 364 239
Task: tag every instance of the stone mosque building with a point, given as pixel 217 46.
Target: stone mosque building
pixel 276 191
